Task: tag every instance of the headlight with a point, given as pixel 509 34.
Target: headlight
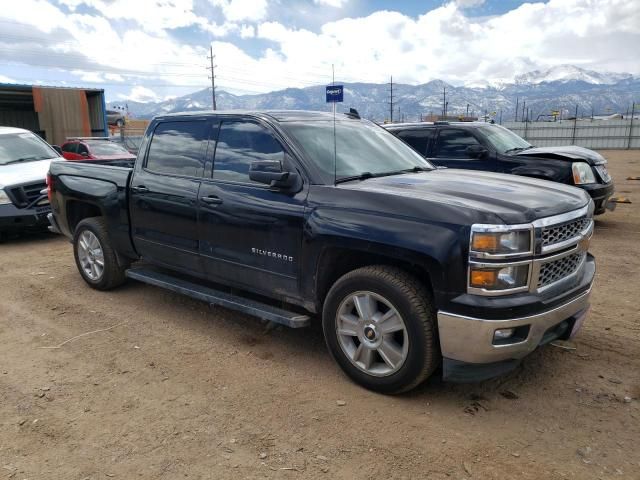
pixel 4 199
pixel 499 278
pixel 500 243
pixel 582 173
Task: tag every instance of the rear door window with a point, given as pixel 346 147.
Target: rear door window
pixel 239 144
pixel 177 148
pixel 453 143
pixel 420 139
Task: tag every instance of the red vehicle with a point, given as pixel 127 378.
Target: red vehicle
pixel 94 149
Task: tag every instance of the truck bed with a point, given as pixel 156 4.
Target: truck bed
pixel 100 189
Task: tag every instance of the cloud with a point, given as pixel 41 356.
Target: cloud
pixel 446 43
pixel 238 10
pixel 468 3
pixel 141 94
pixel 331 3
pixel 5 79
pixel 133 43
pixel 247 31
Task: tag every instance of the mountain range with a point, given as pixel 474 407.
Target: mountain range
pixel 560 88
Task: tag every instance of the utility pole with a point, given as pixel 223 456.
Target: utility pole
pixel 444 102
pixel 212 68
pixel 517 105
pixel 391 102
pixel 524 104
pixel 467 110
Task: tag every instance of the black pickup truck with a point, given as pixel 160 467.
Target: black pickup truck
pixel 287 215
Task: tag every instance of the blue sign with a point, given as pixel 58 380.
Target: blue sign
pixel 335 93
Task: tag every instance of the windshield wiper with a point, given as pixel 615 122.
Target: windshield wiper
pixel 366 175
pixel 24 159
pixel 518 149
pixel 415 169
pixel 362 176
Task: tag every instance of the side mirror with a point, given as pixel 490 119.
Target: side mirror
pixel 85 154
pixel 270 172
pixel 57 149
pixel 477 151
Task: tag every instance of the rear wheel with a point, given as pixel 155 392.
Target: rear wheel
pixel 95 258
pixel 378 323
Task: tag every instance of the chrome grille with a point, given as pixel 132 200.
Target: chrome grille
pixel 558 269
pixel 560 233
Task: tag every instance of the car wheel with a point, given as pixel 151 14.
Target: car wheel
pixel 379 325
pixel 95 258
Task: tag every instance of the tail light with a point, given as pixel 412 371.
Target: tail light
pixel 49 187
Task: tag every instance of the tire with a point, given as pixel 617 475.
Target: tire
pixel 392 352
pixel 91 245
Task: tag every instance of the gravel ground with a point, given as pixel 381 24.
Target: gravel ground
pixel 171 389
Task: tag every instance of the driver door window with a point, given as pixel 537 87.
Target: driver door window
pixel 239 144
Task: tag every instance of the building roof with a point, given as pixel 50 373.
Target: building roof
pixel 24 86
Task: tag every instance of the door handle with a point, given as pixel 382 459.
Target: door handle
pixel 139 189
pixel 211 200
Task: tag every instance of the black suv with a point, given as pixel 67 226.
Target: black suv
pixel 493 148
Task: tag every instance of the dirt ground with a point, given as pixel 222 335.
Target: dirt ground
pixel 175 390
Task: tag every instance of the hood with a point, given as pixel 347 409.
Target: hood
pixel 512 198
pixel 26 172
pixel 569 152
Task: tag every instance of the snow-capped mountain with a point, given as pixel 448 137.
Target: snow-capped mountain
pixel 559 88
pixel 568 73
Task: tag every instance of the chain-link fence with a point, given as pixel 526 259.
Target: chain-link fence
pixel 129 135
pixel 595 134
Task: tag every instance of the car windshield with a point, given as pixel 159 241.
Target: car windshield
pixel 503 140
pixel 107 148
pixel 24 147
pixel 361 148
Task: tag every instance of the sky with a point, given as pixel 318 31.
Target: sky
pixel 152 50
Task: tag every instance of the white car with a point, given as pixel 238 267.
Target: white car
pixel 24 164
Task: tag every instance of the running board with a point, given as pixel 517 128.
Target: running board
pixel 216 297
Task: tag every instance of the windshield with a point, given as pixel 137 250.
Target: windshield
pixel 24 147
pixel 361 147
pixel 107 148
pixel 503 140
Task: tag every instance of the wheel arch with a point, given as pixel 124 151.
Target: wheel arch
pixel 336 261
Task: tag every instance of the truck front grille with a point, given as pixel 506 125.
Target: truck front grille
pixel 560 233
pixel 558 269
pixel 24 195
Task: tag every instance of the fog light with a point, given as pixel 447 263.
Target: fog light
pixel 504 333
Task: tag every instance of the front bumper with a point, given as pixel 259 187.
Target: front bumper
pixel 13 219
pixel 600 194
pixel 470 352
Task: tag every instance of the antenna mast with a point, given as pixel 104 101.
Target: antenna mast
pixel 335 148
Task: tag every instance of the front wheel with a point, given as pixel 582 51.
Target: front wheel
pixel 379 325
pixel 95 258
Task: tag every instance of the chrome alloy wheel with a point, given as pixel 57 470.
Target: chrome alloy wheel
pixel 90 255
pixel 372 334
